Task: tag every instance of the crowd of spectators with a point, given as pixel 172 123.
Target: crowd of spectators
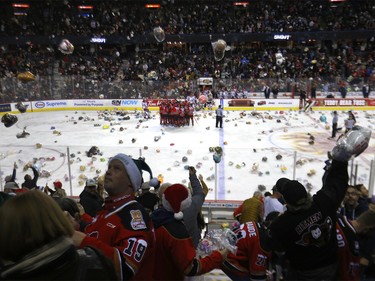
pixel 180 17
pixel 171 68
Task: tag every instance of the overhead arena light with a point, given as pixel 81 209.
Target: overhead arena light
pixel 152 6
pixel 241 4
pixel 20 9
pixel 85 7
pixel 85 10
pixel 22 6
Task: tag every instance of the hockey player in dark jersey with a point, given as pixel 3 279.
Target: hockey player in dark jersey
pixel 123 230
pixel 306 232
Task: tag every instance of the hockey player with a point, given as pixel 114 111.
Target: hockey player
pixel 146 111
pixel 210 100
pixel 192 99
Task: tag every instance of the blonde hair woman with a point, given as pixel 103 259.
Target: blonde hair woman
pixel 36 244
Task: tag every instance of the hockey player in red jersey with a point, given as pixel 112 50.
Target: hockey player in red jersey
pixel 123 230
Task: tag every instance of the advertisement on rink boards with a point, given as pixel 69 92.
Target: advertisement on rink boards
pixel 345 102
pixel 153 104
pixel 99 104
pixel 6 107
pixel 261 103
pixel 132 104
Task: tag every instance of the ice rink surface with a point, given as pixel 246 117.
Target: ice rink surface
pixel 251 141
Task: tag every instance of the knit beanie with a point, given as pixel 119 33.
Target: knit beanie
pixel 279 184
pixel 292 190
pixel 134 168
pixel 176 198
pixel 11 185
pixel 8 178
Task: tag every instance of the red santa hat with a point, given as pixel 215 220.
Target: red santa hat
pixel 176 198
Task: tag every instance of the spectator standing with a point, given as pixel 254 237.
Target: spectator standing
pixel 267 91
pixel 349 123
pixel 43 249
pixel 352 206
pixel 306 231
pixel 219 116
pixel 275 90
pixel 272 203
pixel 59 190
pixel 123 229
pixel 348 247
pixel 148 199
pixel 307 228
pixel 192 212
pixel 252 258
pixel 31 182
pixel 313 90
pixel 252 209
pixel 366 90
pixel 356 260
pixel 335 121
pixel 75 210
pixel 161 190
pixel 201 221
pixel 90 199
pixel 343 91
pixel 356 246
pixel 363 193
pixel 11 188
pixel 176 256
